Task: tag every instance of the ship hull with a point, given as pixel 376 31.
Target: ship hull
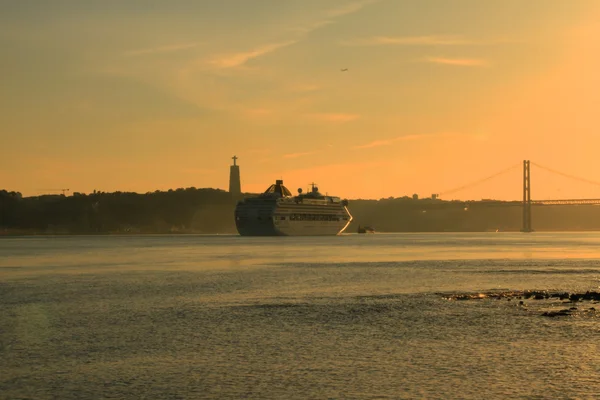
pixel 256 219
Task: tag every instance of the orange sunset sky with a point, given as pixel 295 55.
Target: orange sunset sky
pixel 139 95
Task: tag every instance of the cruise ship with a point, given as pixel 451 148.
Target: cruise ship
pixel 276 212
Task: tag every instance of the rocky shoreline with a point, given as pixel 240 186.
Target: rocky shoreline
pixel 555 298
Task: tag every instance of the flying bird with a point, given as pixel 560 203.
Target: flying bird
pixel 344 69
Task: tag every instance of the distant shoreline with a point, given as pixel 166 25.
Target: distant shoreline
pixel 33 234
pixel 192 211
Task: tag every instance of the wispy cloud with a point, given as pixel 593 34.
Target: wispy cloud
pixel 162 49
pixel 310 27
pixel 405 138
pixel 194 78
pixel 330 15
pixel 238 59
pixel 429 40
pixel 350 8
pixel 232 60
pixel 335 117
pixel 461 62
pixel 301 154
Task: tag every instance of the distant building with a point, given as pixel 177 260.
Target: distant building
pixel 415 196
pixel 235 187
pixel 434 196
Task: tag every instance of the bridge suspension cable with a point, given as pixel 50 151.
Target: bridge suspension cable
pixel 577 178
pixel 480 181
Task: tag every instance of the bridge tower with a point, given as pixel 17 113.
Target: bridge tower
pixel 526 197
pixel 234 179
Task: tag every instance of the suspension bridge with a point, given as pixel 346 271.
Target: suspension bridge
pixel 527 203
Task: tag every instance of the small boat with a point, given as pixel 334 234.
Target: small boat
pixel 365 229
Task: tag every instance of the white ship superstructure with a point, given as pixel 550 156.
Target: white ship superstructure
pixel 277 213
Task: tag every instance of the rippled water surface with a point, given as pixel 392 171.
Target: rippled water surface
pixel 352 316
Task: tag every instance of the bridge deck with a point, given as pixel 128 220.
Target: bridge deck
pixel 560 202
pixel 567 202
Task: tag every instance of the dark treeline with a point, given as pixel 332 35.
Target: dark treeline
pixel 182 210
pixel 194 210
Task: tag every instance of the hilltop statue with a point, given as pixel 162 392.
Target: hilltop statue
pixel 235 187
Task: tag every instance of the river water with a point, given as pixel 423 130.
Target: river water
pixel 351 316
